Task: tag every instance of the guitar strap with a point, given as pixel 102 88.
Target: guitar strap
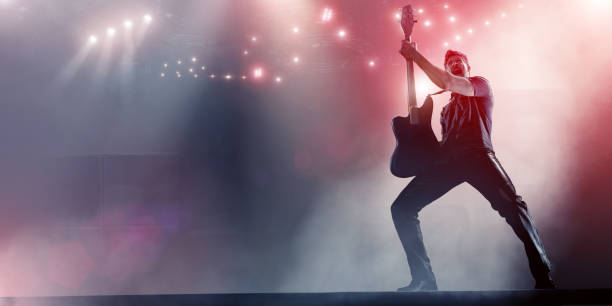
pixel 437 92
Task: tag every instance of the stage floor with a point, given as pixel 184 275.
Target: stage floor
pixel 510 297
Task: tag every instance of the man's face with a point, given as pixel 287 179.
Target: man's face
pixel 457 66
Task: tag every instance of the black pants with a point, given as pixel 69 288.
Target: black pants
pixel 483 171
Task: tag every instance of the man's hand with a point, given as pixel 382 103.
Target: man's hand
pixel 409 50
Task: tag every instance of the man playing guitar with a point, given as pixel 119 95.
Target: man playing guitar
pixel 466 156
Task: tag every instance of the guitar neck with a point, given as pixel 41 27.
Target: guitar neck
pixel 411 88
pixel 410 81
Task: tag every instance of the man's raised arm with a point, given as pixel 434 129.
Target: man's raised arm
pixel 440 77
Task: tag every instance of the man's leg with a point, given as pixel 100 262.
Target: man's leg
pixel 486 174
pixel 422 190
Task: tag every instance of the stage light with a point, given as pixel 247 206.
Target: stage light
pixel 327 14
pixel 254 38
pixel 195 75
pixel 296 30
pixel 162 74
pixel 243 77
pixel 457 37
pixel 342 33
pixel 296 59
pixel 203 67
pixel 503 15
pixel 245 52
pixel 165 65
pixel 179 62
pixel 398 16
pixel 452 18
pixel 470 31
pixel 93 39
pixel 110 32
pixel 128 24
pixel 427 23
pixel 520 5
pixel 147 18
pixel 371 63
pixel 190 70
pixel 257 73
pixel 446 44
pixel 194 59
pixel 278 79
pixel 446 6
pixel 212 76
pixel 420 11
pixel 487 23
pixel 228 76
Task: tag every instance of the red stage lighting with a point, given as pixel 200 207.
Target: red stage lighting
pixel 327 14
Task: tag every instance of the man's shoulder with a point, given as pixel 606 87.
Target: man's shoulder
pixel 481 86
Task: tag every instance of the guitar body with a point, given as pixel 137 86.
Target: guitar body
pixel 416 145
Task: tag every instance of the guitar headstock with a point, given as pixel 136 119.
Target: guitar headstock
pixel 407 20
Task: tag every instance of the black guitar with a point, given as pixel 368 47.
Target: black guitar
pixel 416 144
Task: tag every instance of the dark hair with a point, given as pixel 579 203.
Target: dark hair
pixel 450 53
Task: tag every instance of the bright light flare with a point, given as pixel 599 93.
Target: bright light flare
pixel 203 68
pixel 341 33
pixel 420 11
pixel 487 23
pixel 371 63
pixel 446 6
pixel 194 59
pixel 110 32
pixel 258 73
pixel 445 43
pixel 212 76
pixel 278 79
pixel 190 70
pixel 397 16
pixel 147 19
pixel 243 77
pixel 228 77
pixel 245 52
pixel 165 65
pixel 128 24
pixel 470 31
pixel 295 30
pixel 457 37
pixel 179 62
pixel 296 59
pixel 195 76
pixel 503 15
pixel 253 38
pixel 451 18
pixel 93 39
pixel 162 75
pixel 427 23
pixel 327 14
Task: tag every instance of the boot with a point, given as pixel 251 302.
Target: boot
pixel 419 285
